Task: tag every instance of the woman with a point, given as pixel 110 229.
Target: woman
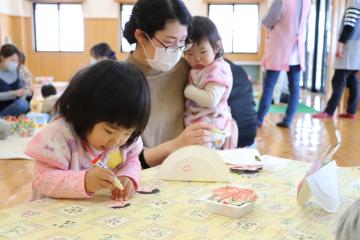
pixel 100 52
pixel 160 41
pixel 12 86
pixel 159 28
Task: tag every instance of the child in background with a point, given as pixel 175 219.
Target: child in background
pixel 28 77
pixel 210 83
pixel 49 92
pixel 102 113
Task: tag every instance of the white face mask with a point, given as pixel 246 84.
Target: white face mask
pixel 11 66
pixel 93 61
pixel 163 60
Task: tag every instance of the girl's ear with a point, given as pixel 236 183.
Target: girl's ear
pixel 140 36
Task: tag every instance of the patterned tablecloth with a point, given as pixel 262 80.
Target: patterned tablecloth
pixel 177 213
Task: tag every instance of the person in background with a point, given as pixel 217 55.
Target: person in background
pixel 100 52
pixel 13 91
pixel 209 84
pixel 285 51
pixel 28 77
pixel 49 92
pixel 347 64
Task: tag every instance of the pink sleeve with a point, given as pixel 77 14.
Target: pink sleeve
pixel 132 166
pixel 56 183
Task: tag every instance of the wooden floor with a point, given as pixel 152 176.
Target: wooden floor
pixel 305 141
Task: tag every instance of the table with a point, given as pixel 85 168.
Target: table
pixel 177 213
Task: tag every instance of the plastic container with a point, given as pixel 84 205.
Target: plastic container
pixel 228 210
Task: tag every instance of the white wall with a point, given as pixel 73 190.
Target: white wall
pixel 16 7
pixel 92 8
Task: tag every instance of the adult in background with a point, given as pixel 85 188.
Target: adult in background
pixel 285 51
pixel 13 92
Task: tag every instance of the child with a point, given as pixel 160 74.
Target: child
pixel 210 83
pixel 49 94
pixel 102 113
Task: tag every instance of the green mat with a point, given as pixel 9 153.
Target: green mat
pixel 282 108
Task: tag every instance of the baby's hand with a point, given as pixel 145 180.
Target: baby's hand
pixel 98 178
pixel 127 193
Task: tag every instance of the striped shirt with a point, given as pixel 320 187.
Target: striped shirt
pixel 351 17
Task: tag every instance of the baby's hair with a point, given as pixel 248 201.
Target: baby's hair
pixel 109 91
pixel 48 90
pixel 203 28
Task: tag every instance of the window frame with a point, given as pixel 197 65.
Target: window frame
pixel 233 3
pixel 58 7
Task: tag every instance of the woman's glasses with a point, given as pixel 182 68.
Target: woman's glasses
pixel 171 48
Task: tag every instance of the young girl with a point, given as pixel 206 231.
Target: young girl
pixel 210 83
pixel 102 113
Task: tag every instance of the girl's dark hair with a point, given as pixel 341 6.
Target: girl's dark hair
pixel 202 28
pixel 8 50
pixel 151 16
pixel 103 50
pixel 48 90
pixel 109 91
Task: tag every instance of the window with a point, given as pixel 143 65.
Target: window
pixel 238 25
pixel 125 13
pixel 59 27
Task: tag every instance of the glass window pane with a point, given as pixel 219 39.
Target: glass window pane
pixel 246 28
pixel 125 13
pixel 71 27
pixel 223 17
pixel 47 27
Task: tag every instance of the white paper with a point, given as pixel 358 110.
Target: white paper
pixel 13 147
pixel 324 185
pixel 272 164
pixel 244 156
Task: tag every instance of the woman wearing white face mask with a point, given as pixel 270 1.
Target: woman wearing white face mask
pixel 12 87
pixel 159 28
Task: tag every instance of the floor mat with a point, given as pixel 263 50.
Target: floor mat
pixel 13 147
pixel 282 108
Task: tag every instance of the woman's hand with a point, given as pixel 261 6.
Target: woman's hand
pixel 19 92
pixel 195 134
pixel 98 178
pixel 127 193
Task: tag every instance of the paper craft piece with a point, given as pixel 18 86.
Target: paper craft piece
pixel 322 181
pixel 117 204
pixel 194 163
pixel 324 186
pixel 246 156
pixel 147 190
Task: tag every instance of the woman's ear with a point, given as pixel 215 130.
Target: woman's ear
pixel 139 36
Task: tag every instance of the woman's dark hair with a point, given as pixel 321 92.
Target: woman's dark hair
pixel 151 16
pixel 109 91
pixel 103 50
pixel 8 50
pixel 48 90
pixel 202 28
pixel 22 58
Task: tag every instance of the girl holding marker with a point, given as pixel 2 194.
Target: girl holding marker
pixel 94 143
